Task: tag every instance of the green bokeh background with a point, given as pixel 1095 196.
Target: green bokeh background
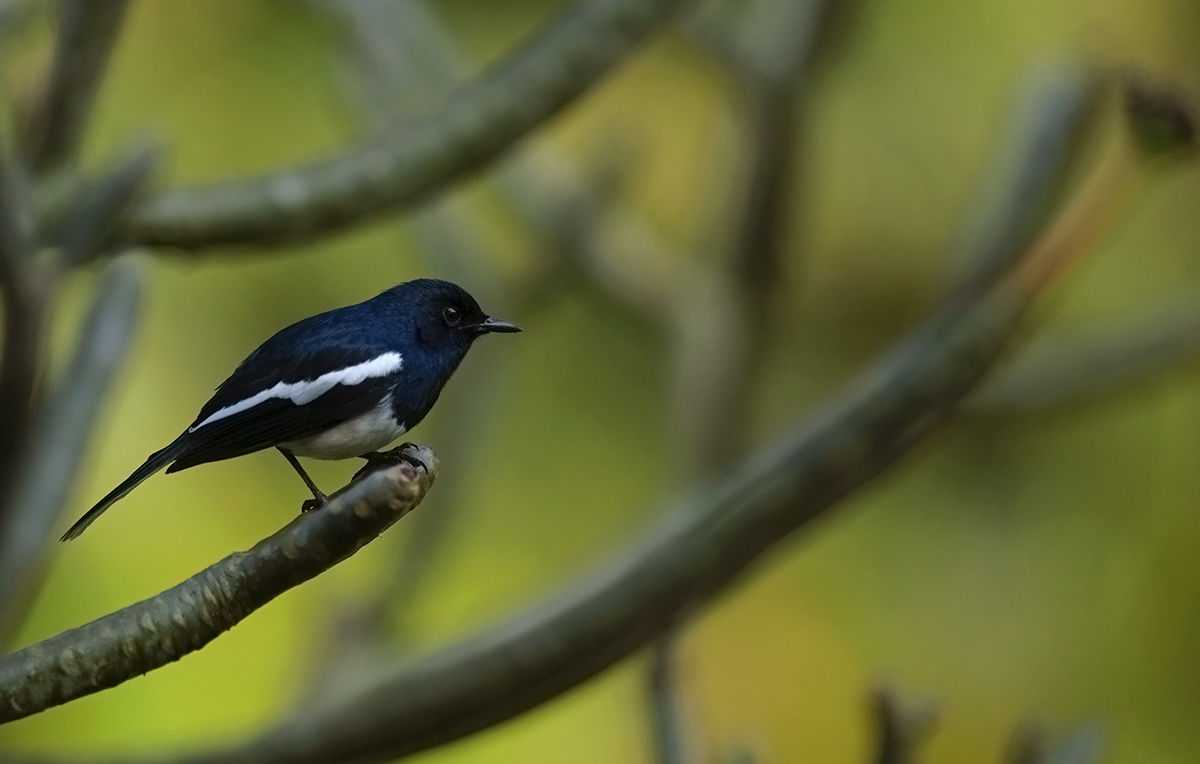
pixel 1042 568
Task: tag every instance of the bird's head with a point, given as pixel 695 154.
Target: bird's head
pixel 445 316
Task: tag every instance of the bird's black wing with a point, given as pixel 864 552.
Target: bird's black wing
pixel 278 418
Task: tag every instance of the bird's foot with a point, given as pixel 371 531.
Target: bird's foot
pixel 316 502
pixel 381 459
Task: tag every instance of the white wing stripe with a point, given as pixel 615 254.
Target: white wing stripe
pixel 308 390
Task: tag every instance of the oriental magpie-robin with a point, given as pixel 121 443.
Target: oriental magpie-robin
pixel 339 384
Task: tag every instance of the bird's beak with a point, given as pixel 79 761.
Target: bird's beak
pixel 493 324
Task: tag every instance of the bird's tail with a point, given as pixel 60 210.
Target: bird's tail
pixel 155 462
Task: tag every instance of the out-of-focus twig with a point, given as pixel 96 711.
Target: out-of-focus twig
pixel 24 291
pixel 1163 128
pixel 721 331
pixel 767 41
pixel 420 157
pixel 164 628
pixel 617 249
pixel 1053 123
pixel 61 436
pixel 43 464
pixel 87 31
pixel 675 739
pixel 724 328
pixel 1076 370
pixel 89 228
pixel 1031 745
pixel 901 728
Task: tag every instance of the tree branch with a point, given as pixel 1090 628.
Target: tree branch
pixel 721 341
pixel 61 439
pixel 722 338
pixel 84 233
pixel 545 187
pixel 164 628
pixel 25 296
pixel 675 741
pixel 89 227
pixel 475 126
pixel 1078 370
pixel 1044 144
pixel 87 31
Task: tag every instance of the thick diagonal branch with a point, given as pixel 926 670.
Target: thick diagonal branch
pixel 476 125
pixel 164 628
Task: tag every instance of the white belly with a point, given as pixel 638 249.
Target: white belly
pixel 361 435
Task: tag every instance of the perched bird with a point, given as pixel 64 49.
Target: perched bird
pixel 336 385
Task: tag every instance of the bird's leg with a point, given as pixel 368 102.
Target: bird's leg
pixel 319 499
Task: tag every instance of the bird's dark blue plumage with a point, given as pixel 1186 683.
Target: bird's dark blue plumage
pixel 335 385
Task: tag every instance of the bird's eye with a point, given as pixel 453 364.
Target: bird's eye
pixel 451 315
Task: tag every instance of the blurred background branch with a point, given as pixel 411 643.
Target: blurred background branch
pixel 405 50
pixel 901 727
pixel 418 158
pixel 24 287
pixel 61 437
pixel 87 32
pixel 722 326
pixel 1076 370
pixel 672 721
pixel 49 447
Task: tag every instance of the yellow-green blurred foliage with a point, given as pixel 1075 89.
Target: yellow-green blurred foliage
pixel 1043 568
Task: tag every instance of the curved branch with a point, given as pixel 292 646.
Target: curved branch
pixel 475 126
pixel 184 618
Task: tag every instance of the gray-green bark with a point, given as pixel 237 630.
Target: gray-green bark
pixel 184 618
pixel 418 158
